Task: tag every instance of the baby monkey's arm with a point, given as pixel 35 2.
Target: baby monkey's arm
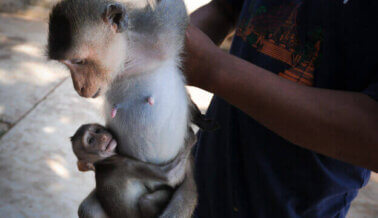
pixel 172 173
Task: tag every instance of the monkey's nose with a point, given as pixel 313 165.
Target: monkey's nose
pixel 81 91
pixel 84 92
pixel 104 138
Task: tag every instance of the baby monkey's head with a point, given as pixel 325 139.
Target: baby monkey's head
pixel 92 143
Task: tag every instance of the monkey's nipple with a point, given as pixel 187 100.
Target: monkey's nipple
pixel 114 111
pixel 151 101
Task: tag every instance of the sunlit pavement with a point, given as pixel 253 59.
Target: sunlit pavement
pixel 39 111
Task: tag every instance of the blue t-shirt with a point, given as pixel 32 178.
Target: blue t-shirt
pixel 245 170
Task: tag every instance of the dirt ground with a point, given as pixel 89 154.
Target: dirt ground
pixel 39 111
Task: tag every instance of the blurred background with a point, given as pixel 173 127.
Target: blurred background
pixel 39 111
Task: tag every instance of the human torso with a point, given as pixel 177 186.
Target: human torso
pixel 258 173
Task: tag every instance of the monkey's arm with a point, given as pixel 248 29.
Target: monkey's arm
pixel 184 199
pixel 173 172
pixel 339 124
pixel 170 174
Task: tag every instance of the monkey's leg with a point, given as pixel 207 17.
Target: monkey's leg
pixel 184 199
pixel 173 172
pixel 91 207
pixel 152 204
pixel 176 172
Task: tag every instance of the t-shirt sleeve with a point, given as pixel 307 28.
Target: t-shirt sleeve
pixel 372 89
pixel 236 3
pixel 232 5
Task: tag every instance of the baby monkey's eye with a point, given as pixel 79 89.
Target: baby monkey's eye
pixel 78 61
pixel 98 130
pixel 90 140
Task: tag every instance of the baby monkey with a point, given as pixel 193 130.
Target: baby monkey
pixel 92 143
pixel 125 187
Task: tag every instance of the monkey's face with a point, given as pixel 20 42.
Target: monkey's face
pixel 91 65
pixel 85 36
pixel 97 41
pixel 95 144
pixel 87 76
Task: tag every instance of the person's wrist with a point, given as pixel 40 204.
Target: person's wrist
pixel 212 70
pixel 200 59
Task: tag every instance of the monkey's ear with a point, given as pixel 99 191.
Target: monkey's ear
pixel 84 166
pixel 115 15
pixel 153 3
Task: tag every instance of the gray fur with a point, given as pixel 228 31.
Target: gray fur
pixel 120 180
pixel 153 43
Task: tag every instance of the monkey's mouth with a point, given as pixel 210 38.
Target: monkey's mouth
pixel 97 93
pixel 111 146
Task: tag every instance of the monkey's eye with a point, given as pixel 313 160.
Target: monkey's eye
pixel 78 61
pixel 98 130
pixel 90 140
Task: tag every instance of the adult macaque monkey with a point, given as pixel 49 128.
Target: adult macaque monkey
pixel 125 187
pixel 130 52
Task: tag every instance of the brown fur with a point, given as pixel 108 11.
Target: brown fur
pixel 117 176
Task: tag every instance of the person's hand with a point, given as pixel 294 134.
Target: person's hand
pixel 199 56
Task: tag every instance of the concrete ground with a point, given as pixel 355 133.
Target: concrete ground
pixel 39 111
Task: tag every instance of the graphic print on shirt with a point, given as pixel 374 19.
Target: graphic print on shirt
pixel 274 32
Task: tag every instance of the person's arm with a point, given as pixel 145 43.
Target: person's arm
pixel 339 124
pixel 216 19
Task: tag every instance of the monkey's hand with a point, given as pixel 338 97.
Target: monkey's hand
pixel 84 166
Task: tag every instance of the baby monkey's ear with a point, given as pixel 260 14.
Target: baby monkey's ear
pixel 84 166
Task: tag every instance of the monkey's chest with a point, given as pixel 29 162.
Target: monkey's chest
pixel 152 132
